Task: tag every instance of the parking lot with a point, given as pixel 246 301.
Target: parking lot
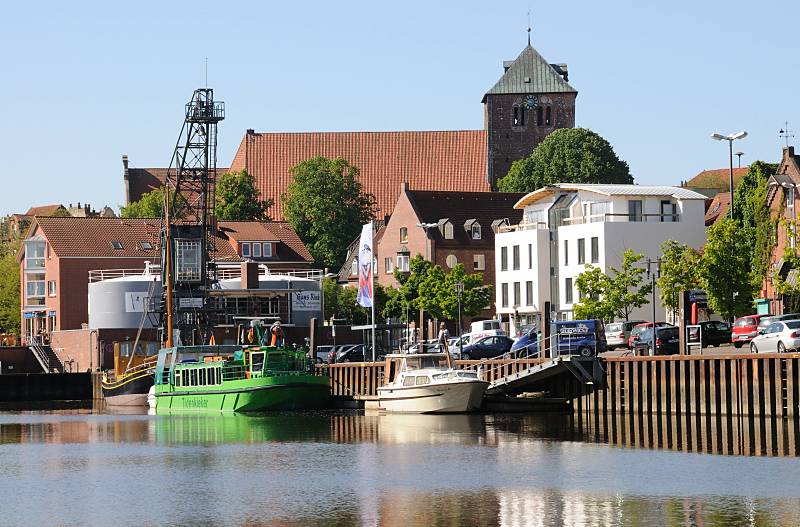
pixel 725 349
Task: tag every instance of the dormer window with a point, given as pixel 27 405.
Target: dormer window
pixel 476 231
pixel 245 249
pixel 448 231
pixel 256 250
pixel 267 252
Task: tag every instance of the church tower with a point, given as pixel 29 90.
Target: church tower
pixel 531 99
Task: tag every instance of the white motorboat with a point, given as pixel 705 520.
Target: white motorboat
pixel 428 383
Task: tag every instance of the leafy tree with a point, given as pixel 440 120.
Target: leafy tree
pixel 753 215
pixel 725 270
pixel 616 294
pixel 238 198
pixel 150 205
pixel 474 298
pixel 341 303
pixel 326 205
pixel 567 155
pixel 60 212
pixel 680 271
pixel 9 291
pixel 405 302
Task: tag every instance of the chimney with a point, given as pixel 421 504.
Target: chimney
pixel 249 275
pixel 125 178
pixel 790 151
pixel 250 131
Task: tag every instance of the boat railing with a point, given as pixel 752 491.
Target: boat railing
pixel 148 364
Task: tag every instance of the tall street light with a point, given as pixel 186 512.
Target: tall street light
pixel 459 292
pixel 730 139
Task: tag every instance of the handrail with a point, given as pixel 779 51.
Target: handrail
pixel 530 226
pixel 40 354
pixel 623 217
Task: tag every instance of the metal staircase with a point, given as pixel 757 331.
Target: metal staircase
pixel 45 356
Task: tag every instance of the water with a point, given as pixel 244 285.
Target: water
pixel 342 469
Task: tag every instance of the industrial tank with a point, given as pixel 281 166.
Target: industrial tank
pixel 121 302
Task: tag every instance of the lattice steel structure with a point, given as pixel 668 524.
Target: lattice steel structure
pixel 189 221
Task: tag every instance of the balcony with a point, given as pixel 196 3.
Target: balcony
pixel 621 218
pixel 540 225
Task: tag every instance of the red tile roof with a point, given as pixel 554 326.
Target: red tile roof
pixel 718 208
pixel 446 160
pixel 143 180
pixel 718 178
pixel 43 210
pixel 92 237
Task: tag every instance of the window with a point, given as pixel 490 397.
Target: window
pixel 595 249
pixel 522 116
pixel 246 249
pixel 187 260
pixel 530 256
pixel 476 231
pixel 145 245
pixel 581 251
pixel 568 290
pixel 408 381
pixel 185 378
pixel 51 288
pixel 193 378
pixel 517 293
pixel 547 120
pixel 403 234
pixel 635 210
pixel 566 252
pixel 516 119
pixel 504 258
pixel 388 265
pixel 34 254
pixel 528 293
pixel 202 375
pixel 402 262
pixel 478 262
pixel 515 257
pixel 117 246
pixel 668 211
pixel 448 231
pixel 790 197
pixel 451 260
pixel 539 116
pixel 267 252
pixel 423 379
pixel 354 267
pixel 256 250
pixel 504 295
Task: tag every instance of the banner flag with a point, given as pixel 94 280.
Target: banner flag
pixel 365 258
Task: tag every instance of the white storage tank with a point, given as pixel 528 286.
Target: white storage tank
pixel 122 302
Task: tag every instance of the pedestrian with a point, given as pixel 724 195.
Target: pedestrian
pixel 443 338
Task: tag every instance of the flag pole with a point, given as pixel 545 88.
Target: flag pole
pixel 372 288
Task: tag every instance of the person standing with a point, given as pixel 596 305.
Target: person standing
pixel 443 338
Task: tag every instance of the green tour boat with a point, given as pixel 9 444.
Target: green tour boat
pixel 237 379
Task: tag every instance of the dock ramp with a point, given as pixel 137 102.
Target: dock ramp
pixel 588 370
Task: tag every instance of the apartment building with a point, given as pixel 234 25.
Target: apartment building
pixel 568 226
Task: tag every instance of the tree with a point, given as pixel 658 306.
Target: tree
pixel 680 271
pixel 150 205
pixel 326 205
pixel 341 302
pixel 9 291
pixel 567 155
pixel 725 270
pixel 753 217
pixel 613 295
pixel 238 198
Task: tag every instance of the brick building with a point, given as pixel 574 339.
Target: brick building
pixel 531 99
pixel 58 254
pixel 783 200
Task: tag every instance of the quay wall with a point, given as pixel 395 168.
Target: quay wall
pixel 40 387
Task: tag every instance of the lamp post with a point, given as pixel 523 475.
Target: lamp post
pixel 325 274
pixel 730 139
pixel 652 276
pixel 739 155
pixel 459 292
pixel 424 226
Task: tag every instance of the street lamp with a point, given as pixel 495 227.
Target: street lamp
pixel 730 139
pixel 739 155
pixel 459 292
pixel 652 276
pixel 424 226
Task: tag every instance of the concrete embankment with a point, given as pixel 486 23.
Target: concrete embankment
pixel 37 390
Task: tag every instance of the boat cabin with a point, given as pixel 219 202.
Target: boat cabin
pixel 417 369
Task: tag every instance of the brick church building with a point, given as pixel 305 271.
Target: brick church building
pixel 531 99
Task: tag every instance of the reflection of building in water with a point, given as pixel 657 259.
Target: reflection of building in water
pixel 404 507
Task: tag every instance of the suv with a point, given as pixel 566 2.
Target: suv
pixel 715 333
pixel 617 333
pixel 666 341
pixel 586 338
pixel 744 329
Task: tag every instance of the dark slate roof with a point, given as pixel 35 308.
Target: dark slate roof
pixel 530 73
pixel 458 207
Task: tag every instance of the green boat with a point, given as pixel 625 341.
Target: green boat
pixel 237 379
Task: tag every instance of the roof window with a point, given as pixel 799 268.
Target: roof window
pixel 147 246
pixel 117 245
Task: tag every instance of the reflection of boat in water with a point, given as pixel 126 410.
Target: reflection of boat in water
pixel 431 429
pixel 428 383
pixel 239 428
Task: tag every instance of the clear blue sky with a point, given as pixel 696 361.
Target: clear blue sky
pixel 85 82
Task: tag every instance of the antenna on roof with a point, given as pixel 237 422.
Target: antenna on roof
pixel 206 72
pixel 785 132
pixel 529 27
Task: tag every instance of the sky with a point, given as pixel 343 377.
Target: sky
pixel 83 83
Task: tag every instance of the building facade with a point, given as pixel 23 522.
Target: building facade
pixel 566 227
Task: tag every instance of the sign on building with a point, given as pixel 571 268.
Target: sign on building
pixel 306 301
pixel 135 301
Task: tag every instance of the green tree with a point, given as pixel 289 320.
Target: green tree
pixel 326 205
pixel 567 155
pixel 9 291
pixel 150 205
pixel 238 198
pixel 341 303
pixel 613 295
pixel 405 300
pixel 753 216
pixel 725 270
pixel 60 212
pixel 680 271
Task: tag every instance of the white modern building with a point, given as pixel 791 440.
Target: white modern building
pixel 568 225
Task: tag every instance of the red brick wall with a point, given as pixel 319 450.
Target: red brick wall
pixel 403 216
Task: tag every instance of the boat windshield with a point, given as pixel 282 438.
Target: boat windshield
pixel 437 362
pixel 257 361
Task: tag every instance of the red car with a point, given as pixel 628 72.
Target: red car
pixel 744 329
pixel 639 328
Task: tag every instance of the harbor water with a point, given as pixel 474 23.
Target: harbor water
pixel 347 468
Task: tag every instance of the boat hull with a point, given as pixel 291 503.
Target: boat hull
pixel 130 391
pixel 280 392
pixel 452 397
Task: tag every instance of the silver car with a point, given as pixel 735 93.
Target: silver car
pixel 617 333
pixel 778 336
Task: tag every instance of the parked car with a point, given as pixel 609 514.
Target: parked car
pixel 767 320
pixel 323 352
pixel 667 341
pixel 617 333
pixel 348 353
pixel 578 337
pixel 487 348
pixel 715 333
pixel 641 327
pixel 745 329
pixel 779 336
pixel 527 344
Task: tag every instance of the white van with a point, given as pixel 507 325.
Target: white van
pixel 483 328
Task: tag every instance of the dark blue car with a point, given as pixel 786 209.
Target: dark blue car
pixel 527 345
pixel 578 337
